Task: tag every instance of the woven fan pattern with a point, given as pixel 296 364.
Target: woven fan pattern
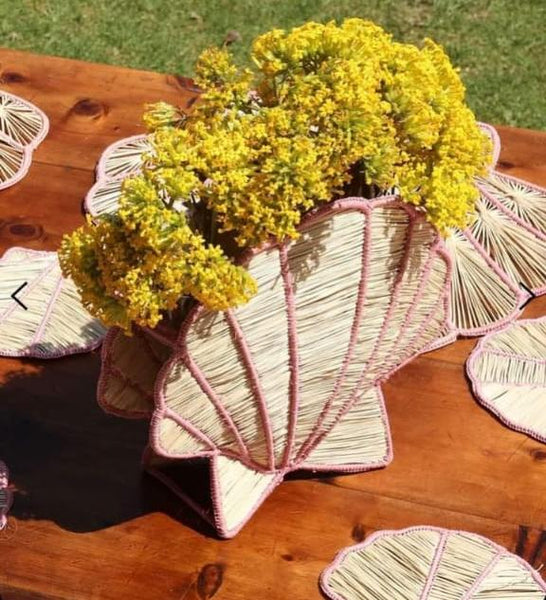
pixel 500 256
pixel 48 320
pixel 426 563
pixel 6 496
pixel 273 386
pixel 120 160
pixel 23 126
pixel 130 366
pixel 508 373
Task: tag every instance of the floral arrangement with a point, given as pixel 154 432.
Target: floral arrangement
pixel 328 110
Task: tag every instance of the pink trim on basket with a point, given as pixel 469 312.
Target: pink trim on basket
pixel 32 352
pixel 359 467
pixel 106 371
pixel 293 353
pixel 501 551
pixel 207 389
pixel 481 348
pixel 181 353
pixel 355 328
pixel 440 548
pixel 219 518
pixel 254 382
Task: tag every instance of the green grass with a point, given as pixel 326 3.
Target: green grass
pixel 500 45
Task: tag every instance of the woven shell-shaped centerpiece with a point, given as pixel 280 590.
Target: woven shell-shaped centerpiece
pixel 291 380
pixel 426 563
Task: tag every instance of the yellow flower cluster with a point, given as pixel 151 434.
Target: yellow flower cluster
pixel 262 150
pixel 262 147
pixel 133 266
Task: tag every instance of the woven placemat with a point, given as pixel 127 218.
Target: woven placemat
pixel 291 380
pixel 508 374
pixel 41 314
pixel 499 260
pixel 119 161
pixel 23 126
pixel 427 563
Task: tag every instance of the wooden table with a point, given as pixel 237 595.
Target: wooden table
pixel 86 524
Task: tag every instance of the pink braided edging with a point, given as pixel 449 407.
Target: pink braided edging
pixel 109 370
pixel 481 348
pixel 45 121
pixel 181 354
pixel 500 551
pixel 4 483
pixel 25 164
pixel 88 201
pixel 26 149
pixel 519 221
pixel 519 295
pixel 36 353
pixel 101 177
pixel 100 169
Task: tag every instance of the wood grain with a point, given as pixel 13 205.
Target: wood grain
pixel 87 524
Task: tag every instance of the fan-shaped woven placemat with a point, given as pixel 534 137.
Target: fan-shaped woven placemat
pixel 500 257
pixel 120 160
pixel 427 563
pixel 41 314
pixel 22 127
pixel 508 373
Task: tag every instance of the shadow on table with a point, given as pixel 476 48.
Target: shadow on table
pixel 69 462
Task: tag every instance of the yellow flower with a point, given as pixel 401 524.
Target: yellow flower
pixel 262 147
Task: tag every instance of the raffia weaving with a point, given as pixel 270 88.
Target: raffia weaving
pixel 51 321
pixel 291 380
pixel 22 128
pixel 130 365
pixel 508 374
pixel 500 255
pixel 426 563
pixel 120 160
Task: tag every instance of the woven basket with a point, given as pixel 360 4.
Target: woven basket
pixel 292 379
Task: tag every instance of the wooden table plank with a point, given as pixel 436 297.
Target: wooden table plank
pixel 86 524
pixel 89 105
